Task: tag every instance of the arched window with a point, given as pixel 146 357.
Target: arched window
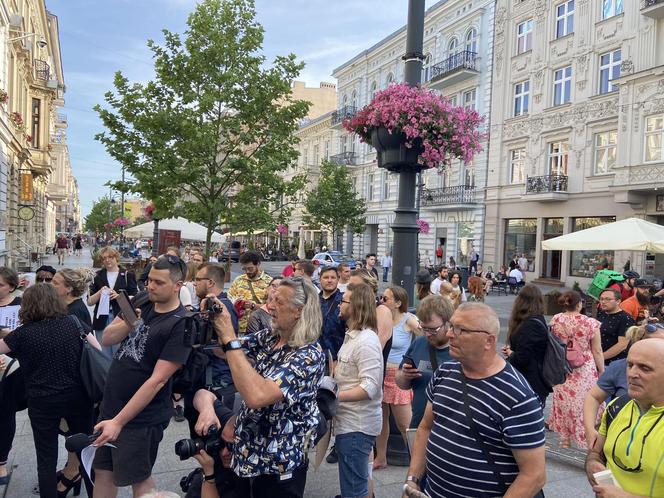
pixel 373 88
pixel 426 69
pixel 452 46
pixel 472 39
pixel 353 100
pixel 390 79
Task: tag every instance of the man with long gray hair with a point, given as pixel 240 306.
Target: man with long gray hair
pixel 277 373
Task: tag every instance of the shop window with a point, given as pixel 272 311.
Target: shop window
pixel 521 238
pixel 586 263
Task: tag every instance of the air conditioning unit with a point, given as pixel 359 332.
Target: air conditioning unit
pixel 15 21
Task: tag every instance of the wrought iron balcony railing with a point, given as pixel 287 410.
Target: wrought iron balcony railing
pixel 345 112
pixel 42 70
pixel 461 60
pixel 348 158
pixel 459 194
pixel 546 183
pixel 649 3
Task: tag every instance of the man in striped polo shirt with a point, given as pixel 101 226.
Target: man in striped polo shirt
pixel 482 434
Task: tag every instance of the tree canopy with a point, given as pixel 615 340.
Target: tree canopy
pixel 99 215
pixel 333 204
pixel 208 137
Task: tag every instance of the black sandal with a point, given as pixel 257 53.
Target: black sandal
pixel 74 483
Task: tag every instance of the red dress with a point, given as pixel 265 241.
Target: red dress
pixel 566 416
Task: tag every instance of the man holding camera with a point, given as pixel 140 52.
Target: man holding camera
pixel 277 373
pixel 136 407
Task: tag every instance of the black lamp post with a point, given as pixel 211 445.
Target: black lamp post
pixel 405 221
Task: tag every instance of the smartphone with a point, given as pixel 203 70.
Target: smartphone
pixel 409 361
pixel 128 312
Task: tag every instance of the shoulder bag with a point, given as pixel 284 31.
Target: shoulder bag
pixel 94 366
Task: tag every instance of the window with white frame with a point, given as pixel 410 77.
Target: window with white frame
pixel 564 18
pixel 609 70
pixel 426 68
pixel 353 100
pixel 524 36
pixel 469 175
pixel 471 40
pixel 374 88
pixel 305 156
pixel 469 99
pixel 518 165
pixel 453 99
pixel 315 155
pixel 655 138
pixel 558 157
pixel 562 85
pixel 605 151
pixel 327 149
pixel 353 182
pixel 452 46
pixel 521 97
pixel 386 186
pixel 612 8
pixel 370 187
pixel 390 79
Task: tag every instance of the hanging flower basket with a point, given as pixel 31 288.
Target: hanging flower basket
pixel 282 229
pixel 148 212
pixel 108 226
pixel 412 127
pixel 423 226
pixel 121 222
pixel 17 119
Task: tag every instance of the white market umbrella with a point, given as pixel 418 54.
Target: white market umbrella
pixel 188 230
pixel 631 234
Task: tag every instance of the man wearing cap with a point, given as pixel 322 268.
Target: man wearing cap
pixel 637 305
pixel 45 273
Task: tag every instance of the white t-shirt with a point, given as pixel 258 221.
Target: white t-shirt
pixel 342 287
pixel 516 273
pixel 435 285
pixel 523 264
pixel 112 277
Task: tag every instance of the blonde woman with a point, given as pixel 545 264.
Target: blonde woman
pixel 613 382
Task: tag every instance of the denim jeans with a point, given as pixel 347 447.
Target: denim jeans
pixel 386 270
pixel 353 450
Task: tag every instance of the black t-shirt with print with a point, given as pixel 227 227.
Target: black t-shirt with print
pixel 160 336
pixel 614 325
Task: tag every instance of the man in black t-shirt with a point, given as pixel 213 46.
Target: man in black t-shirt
pixel 615 323
pixel 137 407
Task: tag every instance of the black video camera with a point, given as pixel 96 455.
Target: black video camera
pixel 199 326
pixel 211 443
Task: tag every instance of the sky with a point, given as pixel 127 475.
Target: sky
pixel 99 38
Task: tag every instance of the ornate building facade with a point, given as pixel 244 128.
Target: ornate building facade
pixel 458 44
pixel 577 129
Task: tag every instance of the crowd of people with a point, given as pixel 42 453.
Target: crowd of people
pixel 251 371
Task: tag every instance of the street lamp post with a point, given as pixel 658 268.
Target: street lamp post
pixel 405 221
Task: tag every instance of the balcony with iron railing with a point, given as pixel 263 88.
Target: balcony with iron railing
pixel 457 67
pixel 343 113
pixel 547 187
pixel 653 8
pixel 42 70
pixel 348 158
pixel 457 197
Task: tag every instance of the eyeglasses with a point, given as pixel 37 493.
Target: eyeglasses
pixel 44 279
pixel 429 331
pixel 384 298
pixel 300 280
pixel 457 331
pixel 174 260
pixel 617 460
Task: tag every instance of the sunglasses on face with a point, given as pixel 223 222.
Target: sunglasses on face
pixel 44 279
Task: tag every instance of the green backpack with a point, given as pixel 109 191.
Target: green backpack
pixel 601 280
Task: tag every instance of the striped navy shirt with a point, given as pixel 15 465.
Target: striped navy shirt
pixel 507 415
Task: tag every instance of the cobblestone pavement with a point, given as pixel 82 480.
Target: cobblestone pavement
pixel 565 477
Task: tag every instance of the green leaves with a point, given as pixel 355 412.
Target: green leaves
pixel 333 204
pixel 211 133
pixel 102 212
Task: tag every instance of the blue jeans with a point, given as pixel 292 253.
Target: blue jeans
pixel 386 270
pixel 353 450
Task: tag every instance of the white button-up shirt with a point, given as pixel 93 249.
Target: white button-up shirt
pixel 360 363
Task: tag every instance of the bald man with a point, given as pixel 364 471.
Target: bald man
pixel 480 388
pixel 631 436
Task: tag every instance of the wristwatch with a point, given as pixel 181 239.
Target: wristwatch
pixel 414 479
pixel 231 345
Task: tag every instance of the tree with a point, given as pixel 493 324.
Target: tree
pixel 333 203
pixel 209 136
pixel 99 215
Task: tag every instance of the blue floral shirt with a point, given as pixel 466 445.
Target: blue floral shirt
pixel 271 440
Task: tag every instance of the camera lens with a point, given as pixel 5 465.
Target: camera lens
pixel 186 448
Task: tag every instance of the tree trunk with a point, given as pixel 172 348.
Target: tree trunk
pixel 155 238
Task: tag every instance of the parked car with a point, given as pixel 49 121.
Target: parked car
pixel 333 258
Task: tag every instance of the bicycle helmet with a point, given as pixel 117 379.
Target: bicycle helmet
pixel 631 274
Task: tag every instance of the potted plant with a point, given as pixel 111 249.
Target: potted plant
pixel 4 96
pixel 411 126
pixel 17 119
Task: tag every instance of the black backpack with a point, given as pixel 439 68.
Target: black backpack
pixel 555 367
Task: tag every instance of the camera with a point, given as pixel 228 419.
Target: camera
pixel 199 326
pixel 211 443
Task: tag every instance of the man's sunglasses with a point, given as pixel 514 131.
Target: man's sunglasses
pixel 44 279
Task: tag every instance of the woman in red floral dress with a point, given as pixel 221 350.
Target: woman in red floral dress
pixel 566 416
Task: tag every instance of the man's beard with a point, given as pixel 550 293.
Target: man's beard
pixel 643 299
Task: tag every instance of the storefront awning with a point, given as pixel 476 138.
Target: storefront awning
pixel 631 234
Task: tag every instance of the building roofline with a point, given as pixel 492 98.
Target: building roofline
pixel 389 37
pixel 316 120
